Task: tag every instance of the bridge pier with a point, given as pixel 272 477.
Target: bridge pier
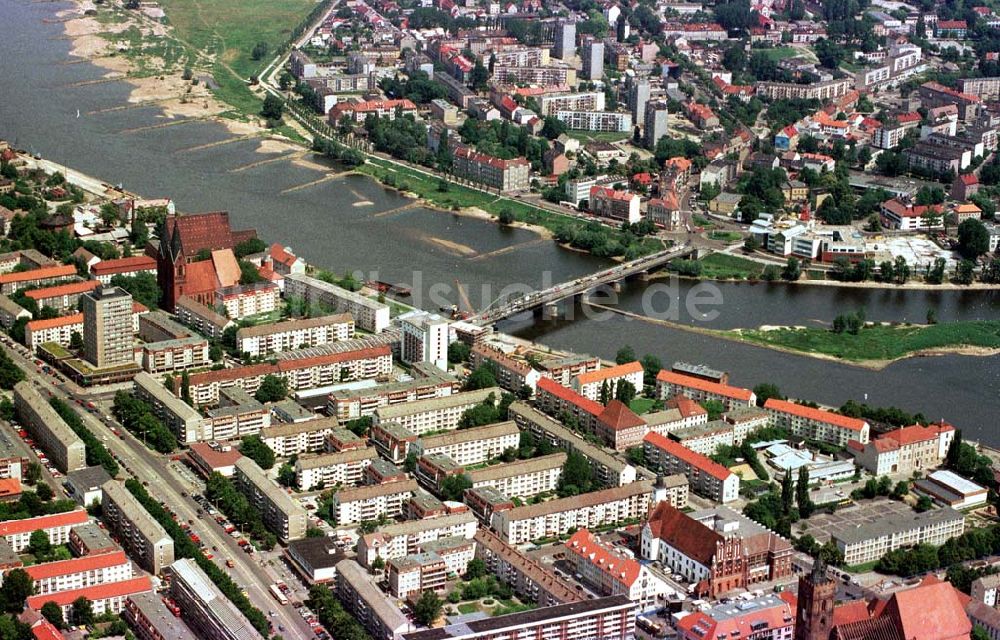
pixel 616 286
pixel 550 311
pixel 643 275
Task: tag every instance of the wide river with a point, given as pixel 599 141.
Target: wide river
pixel 354 224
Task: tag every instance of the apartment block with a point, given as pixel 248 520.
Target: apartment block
pixel 131 266
pixel 143 538
pixel 79 573
pixel 176 414
pixel 590 510
pixel 261 340
pixel 57 526
pixel 104 598
pixel 583 101
pixel 822 91
pixel 595 120
pixel 528 578
pixel 405 538
pixel 548 76
pixel 348 404
pixel 563 370
pixel 369 315
pixel 42 276
pixel 869 542
pixel 63 298
pixel 589 384
pixel 201 318
pixel 670 384
pixel 905 450
pixel 345 468
pixel 435 414
pixel 497 173
pixel 175 355
pixel 366 603
pixel 471 446
pixel 238 415
pixel 246 300
pixel 294 438
pixel 816 424
pixel 523 479
pixel 203 606
pixel 705 438
pixel 416 574
pixel 282 515
pixel 107 327
pixel 512 375
pixel 610 572
pixel 617 205
pixel 706 477
pixel 58 330
pixel 149 618
pixel 368 502
pixel 51 432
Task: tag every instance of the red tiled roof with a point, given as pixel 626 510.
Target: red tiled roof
pixel 202 231
pixel 9 487
pixel 940 88
pixel 707 386
pixel 693 458
pixel 917 433
pixel 248 371
pixel 910 211
pixel 952 24
pixel 686 406
pixel 138 307
pixel 57 271
pixel 76 565
pixel 931 611
pixel 819 415
pixel 27 525
pixel 45 630
pixel 617 417
pixel 123 265
pixel 968 179
pixel 568 395
pixel 200 278
pixel 610 194
pixel 70 289
pixel 51 323
pixel 607 373
pixel 213 457
pixel 492 161
pixel 281 255
pixel 97 592
pixel 227 269
pixel 684 533
pixel 620 569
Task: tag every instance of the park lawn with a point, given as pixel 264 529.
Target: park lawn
pixel 599 136
pixel 640 405
pixel 724 266
pixel 880 342
pixel 862 568
pixel 468 607
pixel 777 53
pixel 727 236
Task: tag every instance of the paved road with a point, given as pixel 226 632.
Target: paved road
pixel 152 470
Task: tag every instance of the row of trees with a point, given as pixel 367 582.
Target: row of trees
pixel 97 453
pixel 221 492
pixel 138 417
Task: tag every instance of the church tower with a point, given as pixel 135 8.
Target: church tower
pixel 814 617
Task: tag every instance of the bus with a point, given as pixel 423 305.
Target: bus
pixel 278 595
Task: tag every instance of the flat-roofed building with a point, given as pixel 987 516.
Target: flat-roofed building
pixel 401 539
pixel 293 438
pixel 608 469
pixel 204 608
pixel 392 440
pixel 771 616
pixel 143 538
pixel 238 415
pixel 705 438
pixel 263 339
pixel 706 477
pixel 50 431
pixel 416 573
pixel 816 424
pixel 368 502
pixel 367 604
pixel 589 510
pixel 522 479
pixel 345 468
pixel 282 515
pixel 177 415
pixel 89 539
pixel 149 619
pixel 368 314
pixel 435 414
pixel 201 318
pixel 348 404
pixel 471 446
pixel 57 526
pixel 562 370
pixel 611 618
pixel 952 490
pixel 315 559
pixel 869 542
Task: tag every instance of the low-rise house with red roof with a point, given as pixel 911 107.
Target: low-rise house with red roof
pixel 816 424
pixel 613 573
pixel 911 217
pixel 702 115
pixel 590 384
pixel 719 550
pixel 358 111
pixel 670 384
pixel 905 450
pixel 104 270
pixel 104 598
pixel 706 477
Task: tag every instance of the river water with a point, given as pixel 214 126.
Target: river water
pixel 354 224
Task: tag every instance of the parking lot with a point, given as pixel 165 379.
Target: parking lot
pixel 822 526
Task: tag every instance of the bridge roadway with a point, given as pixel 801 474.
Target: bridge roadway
pixel 581 285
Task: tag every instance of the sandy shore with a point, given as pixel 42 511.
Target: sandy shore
pixel 914 286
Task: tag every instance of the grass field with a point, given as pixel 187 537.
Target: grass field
pixel 726 236
pixel 723 266
pixel 601 136
pixel 882 342
pixel 778 53
pixel 640 405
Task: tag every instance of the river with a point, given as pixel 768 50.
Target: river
pixel 354 224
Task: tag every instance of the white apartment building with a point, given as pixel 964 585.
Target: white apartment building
pixel 368 314
pixel 345 468
pixel 589 384
pixel 140 535
pixel 59 330
pixel 595 120
pixel 294 438
pixel 670 384
pixel 78 573
pixel 425 339
pixel 368 502
pixel 175 355
pixel 184 421
pixel 471 446
pixel 816 424
pixel 294 334
pixel 348 404
pixel 707 478
pixel 584 101
pixel 523 479
pixel 905 450
pixel 590 510
pixel 705 438
pixel 434 414
pixel 612 573
pixel 17 533
pixel 869 542
pixel 242 301
pixel 405 538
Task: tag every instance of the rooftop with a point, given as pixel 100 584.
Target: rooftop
pixel 320 552
pixel 888 526
pixel 693 458
pixel 704 385
pixel 295 324
pixel 437 404
pixel 461 436
pixel 819 415
pixel 581 501
pixel 520 467
pixel 320 460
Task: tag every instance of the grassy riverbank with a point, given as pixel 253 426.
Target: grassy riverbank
pixel 880 342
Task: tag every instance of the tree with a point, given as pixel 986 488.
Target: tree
pixel 479 76
pixel 83 611
pixel 624 391
pixel 973 239
pixel 257 450
pixel 577 476
pixel 273 107
pixel 17 586
pixel 378 564
pixel 428 608
pixel 53 613
pixel 765 391
pixel 458 352
pixel 714 408
pixel 44 492
pixel 142 286
pixel 792 270
pixel 481 378
pixel 475 569
pixel 272 389
pixel 38 543
pixel 76 341
pixel 964 272
pixel 506 216
pixel 787 494
pixel 259 51
pixel 625 355
pixel 32 473
pixel 923 504
pixel 651 367
pixel 802 499
pixel 453 487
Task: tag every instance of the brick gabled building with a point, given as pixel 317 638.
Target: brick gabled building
pixel 178 270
